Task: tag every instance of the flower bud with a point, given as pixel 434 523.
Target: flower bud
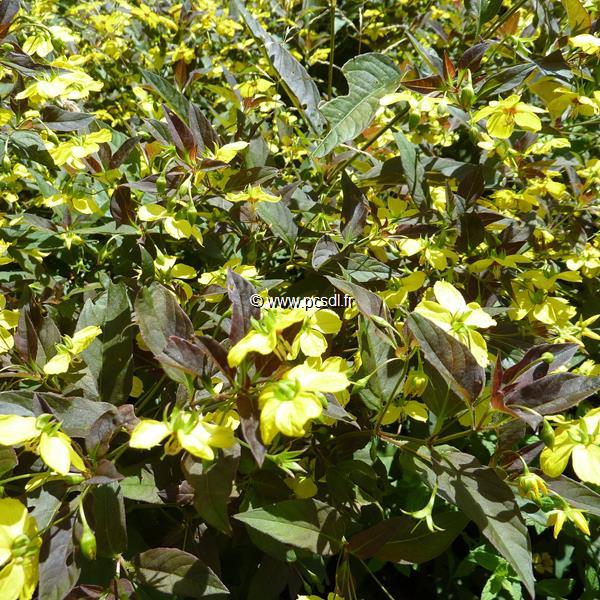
pixel 416 383
pixel 548 357
pixel 547 434
pixel 532 486
pixel 467 94
pixel 87 542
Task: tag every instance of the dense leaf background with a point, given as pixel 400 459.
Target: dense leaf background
pixel 164 164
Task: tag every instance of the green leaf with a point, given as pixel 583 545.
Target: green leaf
pixel 109 518
pixel 298 84
pixel 8 459
pixel 362 269
pixel 307 524
pixel 453 360
pixel 28 145
pixel 76 414
pixel 168 92
pixel 212 485
pixel 110 356
pixel 488 501
pixel 483 10
pixel 138 484
pixel 280 219
pixel 579 18
pixel 178 574
pixel 380 362
pixel 404 539
pixel 413 169
pixel 370 77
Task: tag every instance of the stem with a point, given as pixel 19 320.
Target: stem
pixel 332 7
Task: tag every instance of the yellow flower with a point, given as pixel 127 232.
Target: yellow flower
pixel 398 412
pixel 264 335
pixel 543 563
pixel 70 348
pixel 587 43
pixel 457 318
pixel 539 306
pixel 19 551
pixel 42 436
pixel 587 260
pixel 400 288
pixel 74 150
pixel 288 405
pixel 437 257
pixel 72 85
pixel 252 194
pixel 9 319
pixel 559 516
pixel 190 431
pixel 177 228
pixel 219 277
pixel 579 440
pixel 568 99
pixel 503 115
pixel 311 339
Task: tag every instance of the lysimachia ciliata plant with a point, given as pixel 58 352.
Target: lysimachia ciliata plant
pixel 166 168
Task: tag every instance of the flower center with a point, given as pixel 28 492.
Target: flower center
pixel 20 546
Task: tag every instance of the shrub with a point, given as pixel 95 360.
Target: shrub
pixel 298 299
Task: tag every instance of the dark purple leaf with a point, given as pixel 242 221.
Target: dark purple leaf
pixel 247 408
pixel 549 395
pixel 355 209
pixel 240 291
pixel 449 357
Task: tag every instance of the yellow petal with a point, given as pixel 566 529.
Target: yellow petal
pixel 178 228
pixel 586 463
pixel 436 313
pixel 416 410
pixel 12 581
pixel 55 451
pixel 16 430
pixel 500 125
pixel 528 121
pixel 553 461
pixel 181 271
pixel 479 318
pixel 253 342
pixel 312 343
pixel 13 517
pixel 317 381
pixel 326 321
pixel 148 433
pixel 151 212
pixel 84 337
pixel 59 363
pixel 449 297
pixel 196 442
